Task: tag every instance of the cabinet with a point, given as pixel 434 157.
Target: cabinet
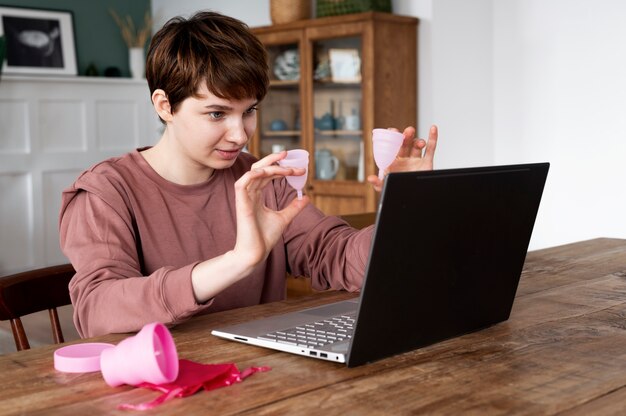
pixel 333 80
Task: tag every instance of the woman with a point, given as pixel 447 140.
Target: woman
pixel 193 224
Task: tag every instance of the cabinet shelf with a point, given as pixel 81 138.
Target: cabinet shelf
pixel 289 83
pixel 281 133
pixel 344 133
pixel 328 83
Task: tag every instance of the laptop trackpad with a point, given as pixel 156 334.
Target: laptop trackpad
pixel 339 308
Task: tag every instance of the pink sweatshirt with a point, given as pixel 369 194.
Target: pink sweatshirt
pixel 134 238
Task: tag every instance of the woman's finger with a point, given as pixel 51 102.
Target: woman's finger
pixel 290 211
pixel 269 159
pixel 407 143
pixel 433 135
pixel 276 171
pixel 375 181
pixel 418 146
pixel 257 178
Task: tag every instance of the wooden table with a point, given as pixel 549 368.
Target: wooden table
pixel 562 351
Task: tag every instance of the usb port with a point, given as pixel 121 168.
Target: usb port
pixel 323 355
pixel 313 353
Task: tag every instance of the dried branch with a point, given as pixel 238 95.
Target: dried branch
pixel 133 38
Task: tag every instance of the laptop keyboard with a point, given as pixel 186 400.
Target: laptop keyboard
pixel 316 334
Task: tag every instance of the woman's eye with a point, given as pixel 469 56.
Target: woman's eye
pixel 216 115
pixel 251 110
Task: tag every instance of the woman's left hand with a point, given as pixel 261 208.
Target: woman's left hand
pixel 415 154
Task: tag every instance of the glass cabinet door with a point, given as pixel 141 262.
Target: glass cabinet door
pixel 280 112
pixel 337 95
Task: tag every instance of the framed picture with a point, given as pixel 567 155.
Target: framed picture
pixel 38 41
pixel 345 65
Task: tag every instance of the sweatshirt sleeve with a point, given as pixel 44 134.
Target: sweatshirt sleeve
pixel 325 248
pixel 109 291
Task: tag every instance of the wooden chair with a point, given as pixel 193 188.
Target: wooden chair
pixel 33 291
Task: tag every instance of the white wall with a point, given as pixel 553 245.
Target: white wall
pixel 462 82
pixel 514 81
pixel 252 12
pixel 560 96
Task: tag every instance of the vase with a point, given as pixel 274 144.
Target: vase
pixel 136 62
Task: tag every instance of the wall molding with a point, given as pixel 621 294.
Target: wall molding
pixel 51 129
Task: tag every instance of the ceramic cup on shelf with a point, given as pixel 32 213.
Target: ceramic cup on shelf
pixel 353 121
pixel 277 148
pixel 326 165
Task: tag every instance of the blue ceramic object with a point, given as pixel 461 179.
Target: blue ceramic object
pixel 326 122
pixel 278 125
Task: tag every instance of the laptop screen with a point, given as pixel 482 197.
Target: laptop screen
pixel 446 257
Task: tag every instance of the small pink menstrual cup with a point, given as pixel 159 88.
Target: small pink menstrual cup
pixel 297 158
pixel 386 143
pixel 150 356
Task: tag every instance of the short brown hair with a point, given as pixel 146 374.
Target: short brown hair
pixel 207 47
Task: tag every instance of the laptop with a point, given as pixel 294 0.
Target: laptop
pixel 446 257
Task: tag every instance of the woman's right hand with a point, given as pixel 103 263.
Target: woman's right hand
pixel 258 229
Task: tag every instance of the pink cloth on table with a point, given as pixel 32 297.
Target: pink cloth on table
pixel 192 377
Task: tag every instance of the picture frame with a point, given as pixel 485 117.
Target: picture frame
pixel 345 65
pixel 38 41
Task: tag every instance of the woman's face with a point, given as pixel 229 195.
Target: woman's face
pixel 212 131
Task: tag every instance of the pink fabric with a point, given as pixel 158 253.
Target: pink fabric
pixel 192 377
pixel 134 238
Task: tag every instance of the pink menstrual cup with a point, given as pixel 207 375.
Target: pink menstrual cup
pixel 297 158
pixel 150 356
pixel 386 146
